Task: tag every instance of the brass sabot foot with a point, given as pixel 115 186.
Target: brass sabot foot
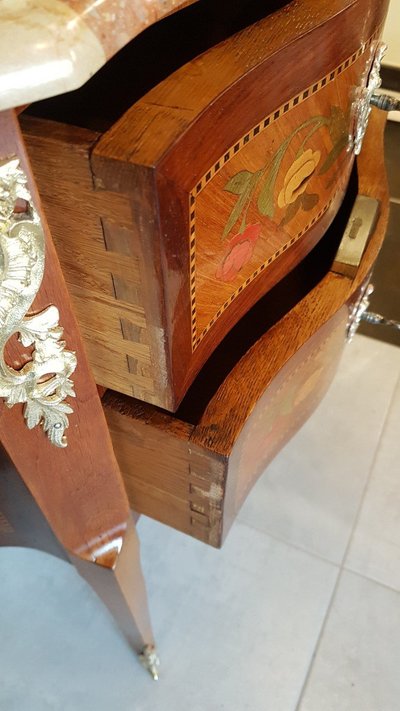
pixel 150 660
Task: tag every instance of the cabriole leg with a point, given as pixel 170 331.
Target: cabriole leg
pixel 122 589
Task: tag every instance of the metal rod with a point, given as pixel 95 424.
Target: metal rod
pixel 379 320
pixel 385 102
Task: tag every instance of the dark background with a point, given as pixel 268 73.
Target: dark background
pixel 386 276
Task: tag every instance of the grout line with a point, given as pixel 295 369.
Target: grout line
pixel 319 640
pixel 342 569
pixel 374 461
pixel 371 580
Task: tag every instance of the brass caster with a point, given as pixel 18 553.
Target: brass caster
pixel 150 660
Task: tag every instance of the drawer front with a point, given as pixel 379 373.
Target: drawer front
pixel 229 172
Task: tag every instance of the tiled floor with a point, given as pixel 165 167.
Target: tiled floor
pixel 299 610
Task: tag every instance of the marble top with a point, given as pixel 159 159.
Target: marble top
pixel 48 47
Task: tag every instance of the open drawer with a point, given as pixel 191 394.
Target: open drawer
pixel 193 470
pixel 173 219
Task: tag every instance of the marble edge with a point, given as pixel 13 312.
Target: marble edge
pixel 49 47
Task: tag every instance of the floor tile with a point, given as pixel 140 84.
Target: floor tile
pixel 356 667
pixel 375 546
pixel 310 494
pixel 246 618
pixel 236 628
pixel 59 650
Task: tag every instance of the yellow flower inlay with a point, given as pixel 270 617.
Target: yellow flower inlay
pixel 298 177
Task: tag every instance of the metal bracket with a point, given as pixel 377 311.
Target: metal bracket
pixel 44 382
pixel 361 107
pixel 385 102
pixel 359 308
pixel 360 313
pixel 361 224
pixel 379 320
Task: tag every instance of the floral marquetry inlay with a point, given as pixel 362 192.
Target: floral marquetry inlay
pixel 269 189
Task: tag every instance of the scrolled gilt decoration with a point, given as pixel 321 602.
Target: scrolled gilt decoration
pixel 361 107
pixel 44 382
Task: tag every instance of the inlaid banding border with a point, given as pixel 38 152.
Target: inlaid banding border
pixel 224 159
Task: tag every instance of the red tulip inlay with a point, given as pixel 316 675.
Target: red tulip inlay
pixel 241 248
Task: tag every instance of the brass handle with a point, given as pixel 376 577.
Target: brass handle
pixel 44 382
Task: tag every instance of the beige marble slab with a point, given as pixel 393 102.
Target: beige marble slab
pixel 48 47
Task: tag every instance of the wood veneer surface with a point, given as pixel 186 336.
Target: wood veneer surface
pixel 70 485
pixel 195 475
